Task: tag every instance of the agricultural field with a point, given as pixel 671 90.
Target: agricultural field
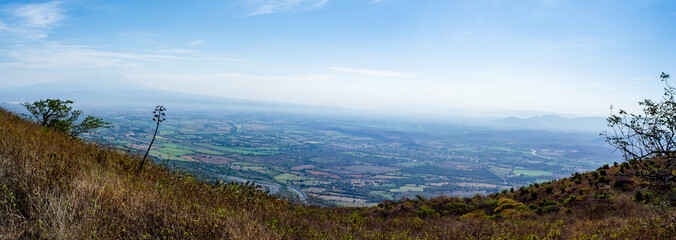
pixel 351 161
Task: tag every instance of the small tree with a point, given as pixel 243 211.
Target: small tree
pixel 158 117
pixel 645 137
pixel 59 115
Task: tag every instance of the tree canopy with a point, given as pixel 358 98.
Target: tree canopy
pixel 58 115
pixel 648 136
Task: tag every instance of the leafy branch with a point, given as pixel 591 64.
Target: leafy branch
pixel 643 138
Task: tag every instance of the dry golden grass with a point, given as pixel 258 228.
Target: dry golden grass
pixel 55 187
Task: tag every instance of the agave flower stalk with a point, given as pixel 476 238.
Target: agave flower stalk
pixel 158 117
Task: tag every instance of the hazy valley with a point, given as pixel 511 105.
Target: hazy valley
pixel 355 162
pixel 338 157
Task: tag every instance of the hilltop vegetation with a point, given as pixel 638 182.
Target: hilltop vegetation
pixel 55 187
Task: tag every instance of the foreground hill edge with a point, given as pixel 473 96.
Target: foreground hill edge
pixel 55 187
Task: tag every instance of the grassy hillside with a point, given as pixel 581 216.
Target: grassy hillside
pixel 55 187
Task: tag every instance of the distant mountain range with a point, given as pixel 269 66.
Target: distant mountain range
pixel 116 91
pixel 106 91
pixel 553 122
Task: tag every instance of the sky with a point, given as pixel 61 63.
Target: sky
pixel 416 56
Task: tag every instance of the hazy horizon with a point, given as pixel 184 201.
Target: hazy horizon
pixel 446 57
pixel 99 92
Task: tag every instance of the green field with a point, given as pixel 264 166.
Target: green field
pixel 532 173
pixel 288 177
pixel 176 151
pixel 180 150
pixel 383 194
pixel 163 156
pixel 506 149
pixel 321 160
pixel 243 151
pixel 410 164
pixel 409 188
pixel 503 172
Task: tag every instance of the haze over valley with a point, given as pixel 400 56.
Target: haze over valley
pixel 333 156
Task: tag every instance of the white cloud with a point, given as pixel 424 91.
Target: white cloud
pixel 197 42
pixel 272 6
pixel 371 72
pixel 31 21
pixel 52 55
pixel 175 50
pixel 43 15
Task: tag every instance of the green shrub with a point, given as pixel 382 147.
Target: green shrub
pixel 570 199
pixel 638 196
pixel 425 211
pixel 459 208
pixel 595 175
pixel 507 203
pixel 533 195
pixel 603 195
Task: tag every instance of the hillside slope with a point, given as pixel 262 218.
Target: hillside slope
pixel 55 187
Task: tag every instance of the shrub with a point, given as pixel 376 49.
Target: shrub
pixel 545 206
pixel 549 189
pixel 425 211
pixel 475 215
pixel 570 199
pixel 642 197
pixel 533 195
pixel 420 198
pixel 603 195
pixel 638 196
pixel 646 197
pixel 623 185
pixel 459 208
pixel 507 203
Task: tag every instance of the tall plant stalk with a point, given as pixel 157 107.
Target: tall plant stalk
pixel 158 117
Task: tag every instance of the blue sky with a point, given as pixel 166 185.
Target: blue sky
pixel 428 56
